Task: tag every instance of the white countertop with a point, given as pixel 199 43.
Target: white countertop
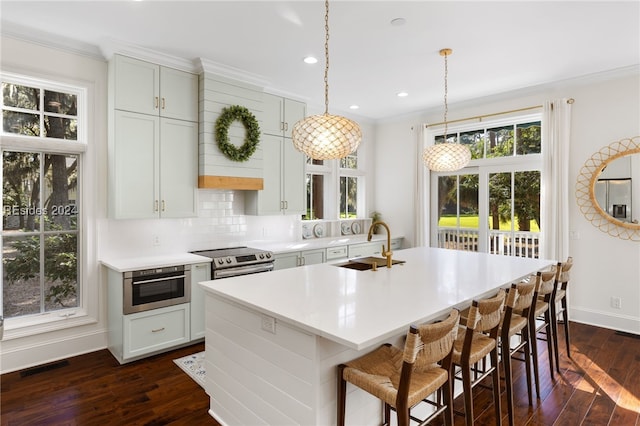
pixel 362 308
pixel 149 262
pixel 182 258
pixel 317 243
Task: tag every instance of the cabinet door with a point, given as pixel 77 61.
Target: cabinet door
pixel 151 331
pixel 133 172
pixel 270 198
pixel 136 85
pixel 178 168
pixel 293 179
pixel 199 272
pixel 178 94
pixel 272 115
pixel 365 249
pixel 312 257
pixel 294 111
pixel 285 260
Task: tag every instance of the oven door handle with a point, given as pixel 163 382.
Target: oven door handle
pixel 243 270
pixel 158 279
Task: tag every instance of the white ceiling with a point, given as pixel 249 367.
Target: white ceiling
pixel 497 46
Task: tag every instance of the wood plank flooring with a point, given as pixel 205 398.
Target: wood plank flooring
pixel 599 386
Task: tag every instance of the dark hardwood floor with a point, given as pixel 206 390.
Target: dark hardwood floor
pixel 599 386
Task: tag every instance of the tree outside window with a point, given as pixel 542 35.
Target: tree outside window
pixel 40 204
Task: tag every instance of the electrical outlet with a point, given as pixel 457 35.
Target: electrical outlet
pixel 269 324
pixel 616 302
pixel 156 240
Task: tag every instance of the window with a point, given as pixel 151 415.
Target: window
pixel 335 189
pixel 493 205
pixel 41 226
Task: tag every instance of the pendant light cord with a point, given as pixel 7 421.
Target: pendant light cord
pixel 326 57
pixel 446 90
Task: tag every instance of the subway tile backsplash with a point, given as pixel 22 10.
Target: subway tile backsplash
pixel 221 222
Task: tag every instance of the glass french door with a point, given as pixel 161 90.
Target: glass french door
pixel 487 209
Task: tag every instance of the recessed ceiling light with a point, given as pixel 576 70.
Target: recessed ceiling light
pixel 396 22
pixel 310 60
pixel 402 94
pixel 354 107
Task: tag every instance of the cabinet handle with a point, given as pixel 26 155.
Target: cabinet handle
pixel 286 205
pixel 155 209
pixel 157 330
pixel 163 205
pixel 156 105
pixel 163 103
pixel 286 127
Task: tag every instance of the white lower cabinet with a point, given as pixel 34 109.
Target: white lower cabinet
pixel 154 330
pixel 199 272
pixel 373 248
pixel 298 258
pixel 334 253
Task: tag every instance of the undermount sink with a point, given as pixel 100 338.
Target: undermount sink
pixel 366 263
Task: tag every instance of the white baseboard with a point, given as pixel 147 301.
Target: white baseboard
pixel 624 323
pixel 34 353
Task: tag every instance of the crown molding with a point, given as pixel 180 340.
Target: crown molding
pixel 209 66
pixel 49 40
pixel 110 47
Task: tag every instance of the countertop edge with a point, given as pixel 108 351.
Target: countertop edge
pixel 149 262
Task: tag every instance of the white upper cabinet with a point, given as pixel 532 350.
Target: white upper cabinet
pixel 152 89
pixel 280 114
pixel 153 167
pixel 153 141
pixel 284 180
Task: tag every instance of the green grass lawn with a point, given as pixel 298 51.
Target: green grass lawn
pixel 472 222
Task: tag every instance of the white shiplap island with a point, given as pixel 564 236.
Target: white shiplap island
pixel 273 340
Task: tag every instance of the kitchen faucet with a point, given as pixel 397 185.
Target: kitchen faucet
pixel 386 253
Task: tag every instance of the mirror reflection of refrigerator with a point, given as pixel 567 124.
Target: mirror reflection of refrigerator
pixel 614 197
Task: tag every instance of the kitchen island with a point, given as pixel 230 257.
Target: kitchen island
pixel 273 340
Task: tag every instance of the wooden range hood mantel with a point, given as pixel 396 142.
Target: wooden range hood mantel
pixel 230 182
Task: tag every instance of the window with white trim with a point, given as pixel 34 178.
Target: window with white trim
pixel 43 141
pixel 493 205
pixel 335 188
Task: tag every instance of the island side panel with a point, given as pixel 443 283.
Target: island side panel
pixel 255 376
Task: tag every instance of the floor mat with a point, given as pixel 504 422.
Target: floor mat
pixel 193 365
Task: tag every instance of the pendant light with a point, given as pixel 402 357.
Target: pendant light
pixel 447 156
pixel 326 136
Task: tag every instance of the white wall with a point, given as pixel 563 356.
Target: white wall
pixel 606 109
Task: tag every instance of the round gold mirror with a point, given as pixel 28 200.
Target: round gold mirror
pixel 604 189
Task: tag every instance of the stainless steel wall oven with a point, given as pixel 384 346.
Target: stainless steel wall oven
pixel 156 288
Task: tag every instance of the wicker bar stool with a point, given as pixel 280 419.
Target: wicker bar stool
pixel 480 339
pixel 402 379
pixel 562 281
pixel 540 318
pixel 519 298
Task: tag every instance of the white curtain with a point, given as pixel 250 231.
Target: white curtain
pixel 556 134
pixel 421 215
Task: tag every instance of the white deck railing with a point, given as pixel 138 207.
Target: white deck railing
pixel 521 244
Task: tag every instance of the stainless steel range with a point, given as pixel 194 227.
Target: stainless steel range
pixel 234 261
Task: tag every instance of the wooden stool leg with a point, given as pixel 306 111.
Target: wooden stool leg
pixel 554 327
pixel 342 395
pixel 496 385
pixel 549 330
pixel 565 317
pixel 468 394
pixel 527 361
pixel 506 363
pixel 534 354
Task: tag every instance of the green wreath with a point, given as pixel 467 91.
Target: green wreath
pixel 251 140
